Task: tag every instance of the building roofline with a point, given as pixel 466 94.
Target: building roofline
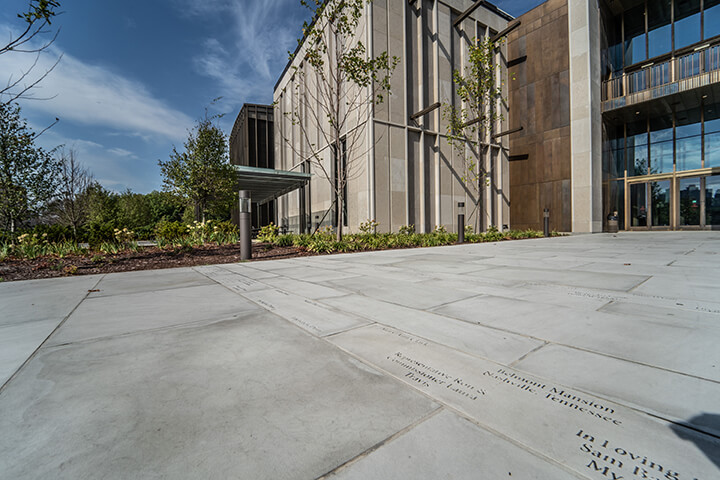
pixel 481 3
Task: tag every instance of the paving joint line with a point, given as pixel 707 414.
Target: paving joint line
pixel 62 322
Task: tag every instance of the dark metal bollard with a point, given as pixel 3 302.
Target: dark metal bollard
pixel 245 225
pixel 461 222
pixel 546 222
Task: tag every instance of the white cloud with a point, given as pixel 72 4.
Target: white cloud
pixel 121 152
pixel 262 32
pixel 93 95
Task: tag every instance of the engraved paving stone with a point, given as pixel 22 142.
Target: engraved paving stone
pixel 596 438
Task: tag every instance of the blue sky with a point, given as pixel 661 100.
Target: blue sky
pixel 136 74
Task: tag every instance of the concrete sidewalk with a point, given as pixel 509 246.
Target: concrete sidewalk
pixel 578 357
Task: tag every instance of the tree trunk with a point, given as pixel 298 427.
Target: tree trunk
pixel 339 217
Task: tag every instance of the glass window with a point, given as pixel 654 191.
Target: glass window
pixel 660 74
pixel 711 18
pixel 637 81
pixel 690 201
pixel 659 30
pixel 615 48
pixel 638 205
pixel 712 200
pixel 661 144
pixel 689 65
pixel 688 140
pixel 635 35
pixel 712 58
pixel 614 152
pixel 637 148
pixel 712 135
pixel 687 23
pixel 660 198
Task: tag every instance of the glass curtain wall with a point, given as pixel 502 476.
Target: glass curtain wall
pixel 674 145
pixel 671 25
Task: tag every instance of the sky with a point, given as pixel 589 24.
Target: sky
pixel 134 76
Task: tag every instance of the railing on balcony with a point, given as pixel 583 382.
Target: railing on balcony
pixel 678 74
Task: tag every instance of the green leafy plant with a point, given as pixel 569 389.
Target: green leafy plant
pixel 268 233
pixel 407 229
pixel 369 227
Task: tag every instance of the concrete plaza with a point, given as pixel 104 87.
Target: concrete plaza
pixel 594 356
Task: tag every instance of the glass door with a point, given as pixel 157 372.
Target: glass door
pixel 638 205
pixel 712 202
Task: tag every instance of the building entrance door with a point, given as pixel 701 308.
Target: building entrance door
pixel 699 202
pixel 650 205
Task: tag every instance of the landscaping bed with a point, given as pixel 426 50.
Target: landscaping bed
pixel 33 256
pixel 146 258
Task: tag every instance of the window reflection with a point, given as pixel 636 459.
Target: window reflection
pixel 711 19
pixel 687 23
pixel 660 198
pixel 635 35
pixel 638 205
pixel 659 29
pixel 637 148
pixel 688 143
pixel 661 144
pixel 712 200
pixel 690 201
pixel 712 136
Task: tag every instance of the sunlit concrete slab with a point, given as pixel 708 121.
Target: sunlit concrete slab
pixel 585 433
pixel 234 281
pixel 52 298
pixel 303 288
pixel 461 449
pixel 394 364
pixel 148 280
pixel 253 397
pixel 633 384
pixel 475 339
pixel 607 281
pixel 416 295
pixel 128 313
pixel 640 339
pixel 307 314
pixel 19 341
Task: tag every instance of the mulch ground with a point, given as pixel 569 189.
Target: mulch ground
pixel 148 258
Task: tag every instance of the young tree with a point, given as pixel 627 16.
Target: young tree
pixel 72 201
pixel 27 173
pixel 349 81
pixel 469 122
pixel 37 18
pixel 201 173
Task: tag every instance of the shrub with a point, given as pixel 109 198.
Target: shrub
pixel 170 231
pixel 268 233
pixel 283 240
pixel 225 232
pixel 407 230
pixel 369 227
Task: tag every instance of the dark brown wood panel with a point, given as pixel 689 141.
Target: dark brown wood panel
pixel 539 98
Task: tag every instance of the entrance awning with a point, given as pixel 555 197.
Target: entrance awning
pixel 266 184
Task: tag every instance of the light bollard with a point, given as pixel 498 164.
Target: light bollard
pixel 245 225
pixel 546 222
pixel 461 222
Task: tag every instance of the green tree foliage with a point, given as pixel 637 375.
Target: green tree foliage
pixel 349 82
pixel 36 19
pixel 473 118
pixel 201 173
pixel 28 174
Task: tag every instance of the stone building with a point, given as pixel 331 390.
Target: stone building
pixel 406 172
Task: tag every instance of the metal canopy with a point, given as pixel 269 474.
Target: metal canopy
pixel 266 184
